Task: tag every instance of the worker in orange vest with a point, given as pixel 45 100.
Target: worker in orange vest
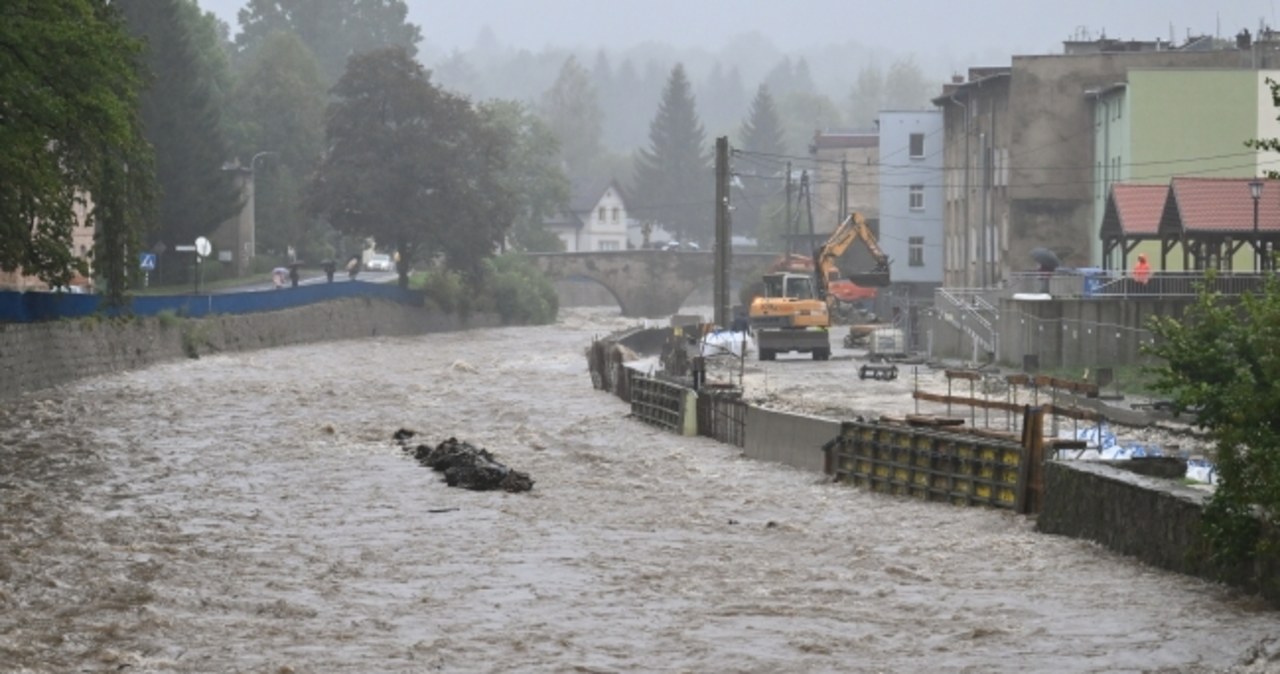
pixel 1142 270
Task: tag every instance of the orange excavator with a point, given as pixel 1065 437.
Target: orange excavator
pixel 794 313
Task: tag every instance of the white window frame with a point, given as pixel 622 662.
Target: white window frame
pixel 915 198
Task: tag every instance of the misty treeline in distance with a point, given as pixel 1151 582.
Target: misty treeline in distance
pixel 147 121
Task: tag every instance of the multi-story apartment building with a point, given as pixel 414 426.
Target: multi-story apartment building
pixel 1021 154
pixel 846 176
pixel 911 197
pixel 1165 123
pixel 82 236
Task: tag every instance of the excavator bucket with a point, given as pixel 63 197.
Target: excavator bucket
pixel 870 279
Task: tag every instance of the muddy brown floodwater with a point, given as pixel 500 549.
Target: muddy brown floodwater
pixel 251 513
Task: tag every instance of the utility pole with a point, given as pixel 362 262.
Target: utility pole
pixel 808 203
pixel 723 238
pixel 787 222
pixel 844 191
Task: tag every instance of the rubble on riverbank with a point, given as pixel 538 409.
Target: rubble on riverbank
pixel 464 465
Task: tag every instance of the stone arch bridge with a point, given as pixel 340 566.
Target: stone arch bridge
pixel 650 283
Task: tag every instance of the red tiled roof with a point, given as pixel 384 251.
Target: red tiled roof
pixel 1138 208
pixel 1222 205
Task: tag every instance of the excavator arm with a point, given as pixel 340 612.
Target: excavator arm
pixel 854 228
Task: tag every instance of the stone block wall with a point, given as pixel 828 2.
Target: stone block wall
pixel 35 356
pixel 1156 520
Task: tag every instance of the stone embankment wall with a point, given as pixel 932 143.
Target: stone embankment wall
pixel 34 356
pixel 1151 517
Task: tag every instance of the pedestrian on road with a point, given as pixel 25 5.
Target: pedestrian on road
pixel 293 275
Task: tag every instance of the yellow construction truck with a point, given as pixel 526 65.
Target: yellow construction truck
pixel 794 312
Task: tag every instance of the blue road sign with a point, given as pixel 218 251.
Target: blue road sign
pixel 147 261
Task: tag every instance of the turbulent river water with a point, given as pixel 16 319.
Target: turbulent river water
pixel 251 513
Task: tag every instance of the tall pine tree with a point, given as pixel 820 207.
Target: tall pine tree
pixel 761 133
pixel 674 181
pixel 182 119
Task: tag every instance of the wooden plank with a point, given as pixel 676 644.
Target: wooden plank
pixel 932 421
pixel 972 375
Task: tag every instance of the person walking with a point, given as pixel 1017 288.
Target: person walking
pixel 1142 270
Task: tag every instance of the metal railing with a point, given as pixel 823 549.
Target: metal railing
pixel 1085 283
pixel 968 310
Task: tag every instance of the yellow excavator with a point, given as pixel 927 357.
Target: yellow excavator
pixel 794 314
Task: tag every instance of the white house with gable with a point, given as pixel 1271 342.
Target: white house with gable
pixel 596 219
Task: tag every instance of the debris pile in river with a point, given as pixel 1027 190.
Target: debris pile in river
pixel 465 465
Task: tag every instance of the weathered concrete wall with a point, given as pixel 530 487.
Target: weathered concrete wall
pixel 34 356
pixel 1081 332
pixel 791 439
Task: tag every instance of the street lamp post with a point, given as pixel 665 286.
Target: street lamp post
pixel 1255 191
pixel 253 231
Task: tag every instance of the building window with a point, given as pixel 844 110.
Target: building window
pixel 608 245
pixel 917 146
pixel 917 198
pixel 616 211
pixel 600 215
pixel 915 251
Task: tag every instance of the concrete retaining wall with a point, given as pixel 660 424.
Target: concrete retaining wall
pixel 791 439
pixel 41 355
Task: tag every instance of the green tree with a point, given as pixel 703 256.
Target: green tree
pixel 572 111
pixel 279 100
pixel 761 133
pixel 724 99
pixel 905 87
pixel 674 181
pixel 804 114
pixel 413 166
pixel 762 130
pixel 867 97
pixel 1222 360
pixel 332 29
pixel 69 87
pixel 182 119
pixel 533 174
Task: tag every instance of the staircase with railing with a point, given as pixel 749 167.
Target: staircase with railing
pixel 968 310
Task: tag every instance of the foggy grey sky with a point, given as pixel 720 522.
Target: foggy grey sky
pixel 948 33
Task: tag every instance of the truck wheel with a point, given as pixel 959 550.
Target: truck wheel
pixel 822 354
pixel 766 354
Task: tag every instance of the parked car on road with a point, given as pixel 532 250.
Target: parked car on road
pixel 379 262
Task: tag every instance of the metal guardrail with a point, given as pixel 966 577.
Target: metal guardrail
pixel 1088 283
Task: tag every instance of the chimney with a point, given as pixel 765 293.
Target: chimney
pixel 1243 41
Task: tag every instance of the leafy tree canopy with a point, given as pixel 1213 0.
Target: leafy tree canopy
pixel 334 30
pixel 69 82
pixel 280 100
pixel 533 175
pixel 1222 360
pixel 413 166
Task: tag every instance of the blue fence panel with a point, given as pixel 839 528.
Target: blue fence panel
pixel 19 307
